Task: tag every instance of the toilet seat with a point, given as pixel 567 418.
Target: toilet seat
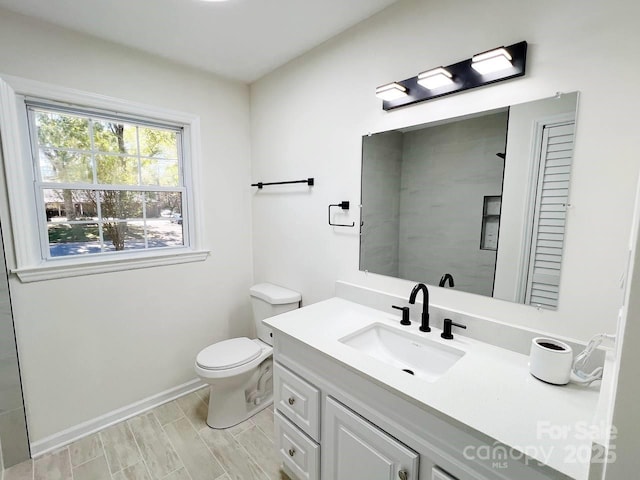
pixel 209 374
pixel 228 354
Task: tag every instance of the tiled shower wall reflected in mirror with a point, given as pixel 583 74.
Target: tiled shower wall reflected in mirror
pixel 14 442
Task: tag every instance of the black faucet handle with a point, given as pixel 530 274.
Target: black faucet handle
pixel 446 330
pixel 405 314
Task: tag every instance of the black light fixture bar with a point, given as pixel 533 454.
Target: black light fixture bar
pixel 464 77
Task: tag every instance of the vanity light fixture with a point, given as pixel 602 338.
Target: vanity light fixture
pixel 391 91
pixel 492 61
pixel 492 66
pixel 435 78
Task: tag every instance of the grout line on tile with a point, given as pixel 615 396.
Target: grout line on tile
pixel 174 421
pixel 144 462
pixel 191 423
pixel 250 419
pixel 203 440
pixel 201 395
pixel 104 452
pixel 90 460
pixel 184 465
pixel 266 476
pixel 70 463
pixel 211 451
pixel 178 469
pixel 265 433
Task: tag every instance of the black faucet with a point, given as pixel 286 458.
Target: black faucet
pixel 446 277
pixel 424 326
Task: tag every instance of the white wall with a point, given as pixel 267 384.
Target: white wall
pixel 89 345
pixel 308 118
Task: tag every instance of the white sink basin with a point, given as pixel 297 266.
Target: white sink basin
pixel 406 351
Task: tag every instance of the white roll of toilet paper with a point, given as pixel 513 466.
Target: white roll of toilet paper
pixel 550 360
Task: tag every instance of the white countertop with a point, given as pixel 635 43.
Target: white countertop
pixel 489 389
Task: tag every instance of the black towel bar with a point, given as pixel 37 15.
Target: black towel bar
pixel 308 181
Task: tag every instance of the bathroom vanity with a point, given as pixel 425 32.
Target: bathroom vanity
pixel 462 409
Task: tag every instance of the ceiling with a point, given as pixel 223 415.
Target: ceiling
pixel 238 39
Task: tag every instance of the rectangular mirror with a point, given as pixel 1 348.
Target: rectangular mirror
pixel 481 198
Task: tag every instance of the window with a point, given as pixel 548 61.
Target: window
pixel 105 184
pixel 97 184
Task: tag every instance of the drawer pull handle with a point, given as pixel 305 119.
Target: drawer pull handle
pixel 292 452
pixel 292 400
pixel 403 475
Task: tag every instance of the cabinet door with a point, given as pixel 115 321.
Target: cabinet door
pixel 355 449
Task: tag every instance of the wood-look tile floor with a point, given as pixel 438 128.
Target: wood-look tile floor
pixel 170 442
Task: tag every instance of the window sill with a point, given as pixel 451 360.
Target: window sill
pixel 65 268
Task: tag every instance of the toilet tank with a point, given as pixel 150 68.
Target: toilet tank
pixel 269 300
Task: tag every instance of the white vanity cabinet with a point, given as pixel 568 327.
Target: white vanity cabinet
pixel 352 448
pixel 334 423
pixel 356 449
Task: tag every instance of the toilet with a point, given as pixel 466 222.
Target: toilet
pixel 240 370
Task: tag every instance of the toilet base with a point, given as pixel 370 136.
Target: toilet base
pixel 235 399
pixel 218 421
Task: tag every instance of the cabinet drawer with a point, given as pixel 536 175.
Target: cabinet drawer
pixel 299 454
pixel 437 474
pixel 297 400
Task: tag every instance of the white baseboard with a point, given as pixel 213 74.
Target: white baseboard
pixel 60 439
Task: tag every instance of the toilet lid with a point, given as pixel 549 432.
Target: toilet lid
pixel 228 354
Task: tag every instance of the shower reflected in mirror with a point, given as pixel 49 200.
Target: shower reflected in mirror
pixel 482 198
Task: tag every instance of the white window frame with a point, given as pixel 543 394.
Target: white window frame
pixel 28 262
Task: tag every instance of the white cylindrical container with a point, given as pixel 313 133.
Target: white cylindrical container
pixel 550 360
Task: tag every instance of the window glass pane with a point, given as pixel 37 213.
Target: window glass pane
pixel 62 130
pixel 149 172
pixel 160 172
pixel 69 205
pixel 73 239
pixel 120 205
pixel 64 166
pixel 115 137
pixel 72 226
pixel 165 233
pixel 163 204
pixel 164 219
pixel 117 170
pixel 158 143
pixel 127 235
pixel 117 206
